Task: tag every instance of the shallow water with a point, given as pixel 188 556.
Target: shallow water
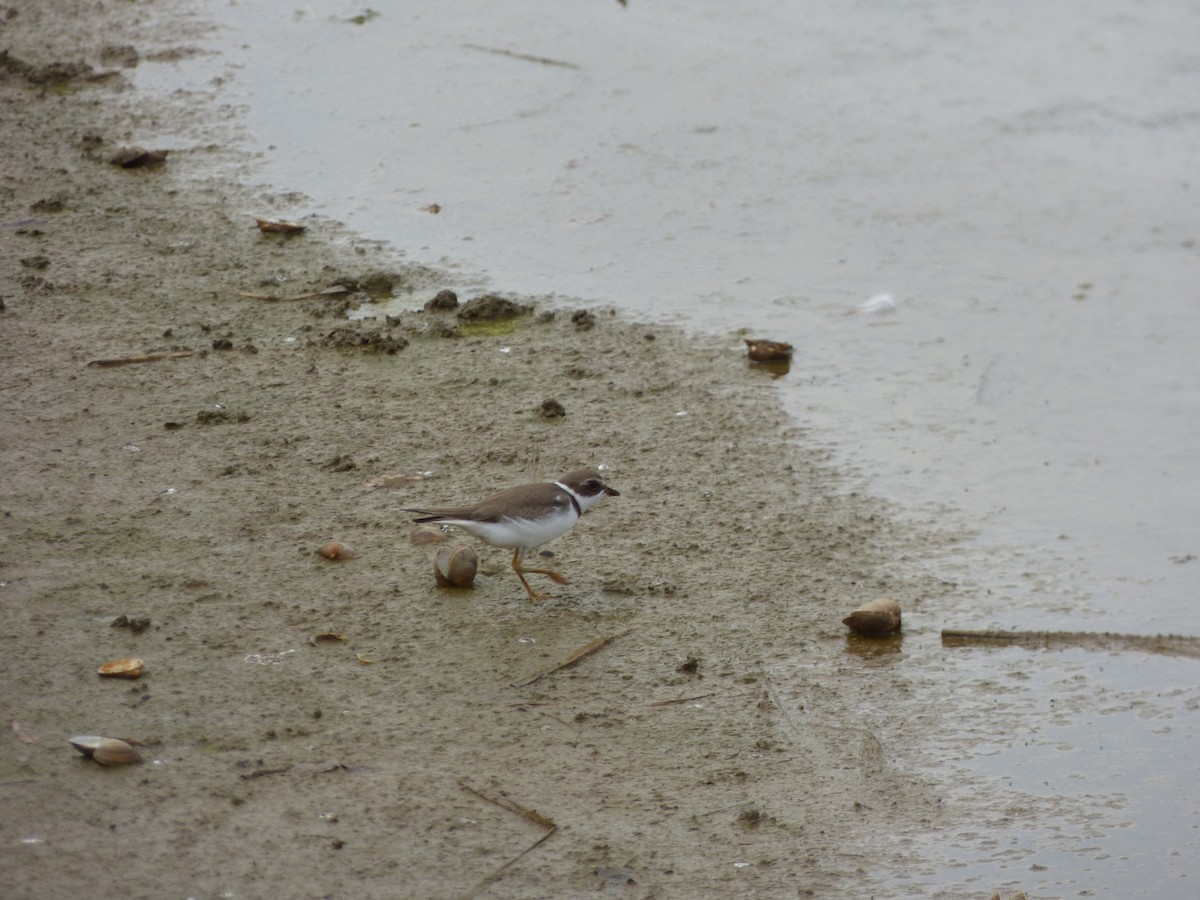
pixel 1020 180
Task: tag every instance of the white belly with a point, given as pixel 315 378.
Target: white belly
pixel 523 533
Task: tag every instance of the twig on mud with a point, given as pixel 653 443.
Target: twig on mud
pixel 586 650
pixel 260 773
pixel 273 298
pixel 143 358
pixel 682 700
pixel 741 804
pixel 1166 644
pixel 504 802
pixel 528 57
pixel 532 815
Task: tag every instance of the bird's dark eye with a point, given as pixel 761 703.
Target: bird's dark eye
pixel 593 483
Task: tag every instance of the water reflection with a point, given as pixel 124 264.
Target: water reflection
pixel 874 646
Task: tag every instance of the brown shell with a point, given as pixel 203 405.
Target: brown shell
pixel 131 667
pixel 455 566
pixel 116 752
pixel 279 226
pixel 880 616
pixel 768 351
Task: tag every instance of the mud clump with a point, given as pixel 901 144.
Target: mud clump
pixel 583 320
pixel 50 73
pixel 492 308
pixel 552 409
pixel 221 417
pixel 381 283
pixel 368 340
pixel 443 301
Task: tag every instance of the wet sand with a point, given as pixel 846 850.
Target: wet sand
pixel 193 490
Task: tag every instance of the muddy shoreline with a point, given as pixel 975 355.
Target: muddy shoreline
pixel 193 490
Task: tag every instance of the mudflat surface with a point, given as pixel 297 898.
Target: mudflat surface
pixel 193 491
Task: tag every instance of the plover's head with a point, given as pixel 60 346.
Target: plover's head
pixel 588 486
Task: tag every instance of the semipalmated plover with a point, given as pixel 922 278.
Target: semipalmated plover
pixel 527 516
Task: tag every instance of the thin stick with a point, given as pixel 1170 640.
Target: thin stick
pixel 544 60
pixel 1167 645
pixel 505 802
pixel 145 358
pixel 531 815
pixel 586 650
pixel 259 773
pixel 273 298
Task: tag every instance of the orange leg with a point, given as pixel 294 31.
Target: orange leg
pixel 520 570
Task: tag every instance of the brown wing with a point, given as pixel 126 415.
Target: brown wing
pixel 525 501
pixel 466 513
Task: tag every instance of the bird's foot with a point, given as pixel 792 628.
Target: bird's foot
pixel 549 573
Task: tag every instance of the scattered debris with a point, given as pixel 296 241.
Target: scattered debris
pixel 24 735
pixel 434 208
